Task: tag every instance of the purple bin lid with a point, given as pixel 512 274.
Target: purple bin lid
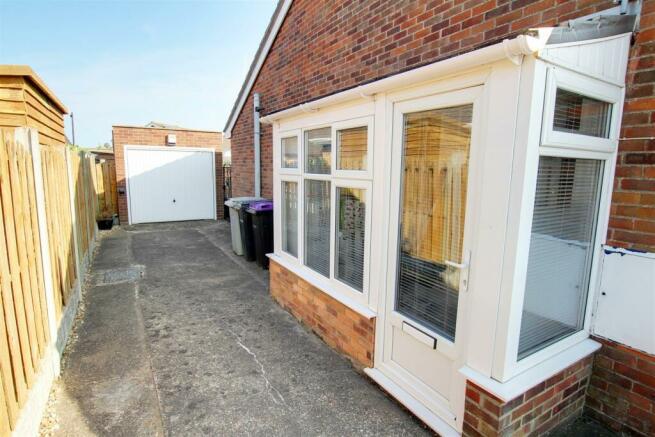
pixel 261 206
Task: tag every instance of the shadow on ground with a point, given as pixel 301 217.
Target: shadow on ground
pixel 180 337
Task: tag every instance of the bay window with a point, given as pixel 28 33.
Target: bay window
pixel 577 148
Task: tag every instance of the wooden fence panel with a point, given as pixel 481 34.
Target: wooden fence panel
pixel 60 223
pixel 77 169
pixel 24 335
pixel 91 197
pixel 105 183
pixel 24 316
pixel 24 319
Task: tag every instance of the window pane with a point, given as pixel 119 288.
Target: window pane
pixel 290 218
pixel 351 223
pixel 317 226
pixel 353 145
pixel 290 152
pixel 435 171
pixel 561 247
pixel 578 114
pixel 318 150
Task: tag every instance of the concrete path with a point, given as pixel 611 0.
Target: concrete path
pixel 180 337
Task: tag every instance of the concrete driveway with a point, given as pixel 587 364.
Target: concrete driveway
pixel 180 337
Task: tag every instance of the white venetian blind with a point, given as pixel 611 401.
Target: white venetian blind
pixel 290 217
pixel 561 249
pixel 317 226
pixel 350 242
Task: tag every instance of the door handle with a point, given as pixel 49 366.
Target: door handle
pixel 455 265
pixel 173 200
pixel 464 267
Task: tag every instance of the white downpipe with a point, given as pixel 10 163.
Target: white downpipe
pixel 512 49
pixel 257 146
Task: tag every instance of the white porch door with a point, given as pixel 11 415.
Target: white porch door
pixel 434 148
pixel 170 184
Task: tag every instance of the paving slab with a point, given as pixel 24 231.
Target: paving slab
pixel 181 337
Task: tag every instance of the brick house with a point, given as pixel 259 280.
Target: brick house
pixel 464 201
pixel 157 140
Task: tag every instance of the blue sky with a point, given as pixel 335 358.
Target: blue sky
pixel 130 62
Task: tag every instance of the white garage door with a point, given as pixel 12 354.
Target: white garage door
pixel 170 184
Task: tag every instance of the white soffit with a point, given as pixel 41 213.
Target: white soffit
pixel 604 58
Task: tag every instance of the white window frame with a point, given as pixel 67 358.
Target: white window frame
pixel 297 181
pixel 363 179
pixel 317 176
pixel 361 296
pixel 565 145
pixel 290 170
pixel 587 86
pixel 366 122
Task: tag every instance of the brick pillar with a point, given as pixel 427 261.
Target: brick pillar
pixel 622 389
pixel 558 399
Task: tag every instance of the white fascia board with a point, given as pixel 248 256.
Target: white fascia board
pixel 259 62
pixel 512 49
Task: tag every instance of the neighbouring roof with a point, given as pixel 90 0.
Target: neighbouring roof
pixel 262 51
pixel 101 151
pixel 27 72
pixel 159 125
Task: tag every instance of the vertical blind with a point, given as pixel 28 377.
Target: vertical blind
pixel 351 223
pixel 578 114
pixel 290 217
pixel 317 226
pixel 290 152
pixel 318 151
pixel 561 249
pixel 434 182
pixel 352 145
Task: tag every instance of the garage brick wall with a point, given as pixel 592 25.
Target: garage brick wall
pixel 146 136
pixel 324 47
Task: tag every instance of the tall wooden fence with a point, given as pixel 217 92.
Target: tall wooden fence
pixel 48 203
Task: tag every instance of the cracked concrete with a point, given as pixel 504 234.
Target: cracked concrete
pixel 194 345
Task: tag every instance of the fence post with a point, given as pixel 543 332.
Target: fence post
pixel 44 237
pixel 90 205
pixel 71 190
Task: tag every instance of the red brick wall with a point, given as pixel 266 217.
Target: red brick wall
pixel 145 136
pixel 327 46
pixel 537 411
pixel 632 221
pixel 622 389
pixel 340 327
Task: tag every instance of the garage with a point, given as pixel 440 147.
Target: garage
pixel 170 183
